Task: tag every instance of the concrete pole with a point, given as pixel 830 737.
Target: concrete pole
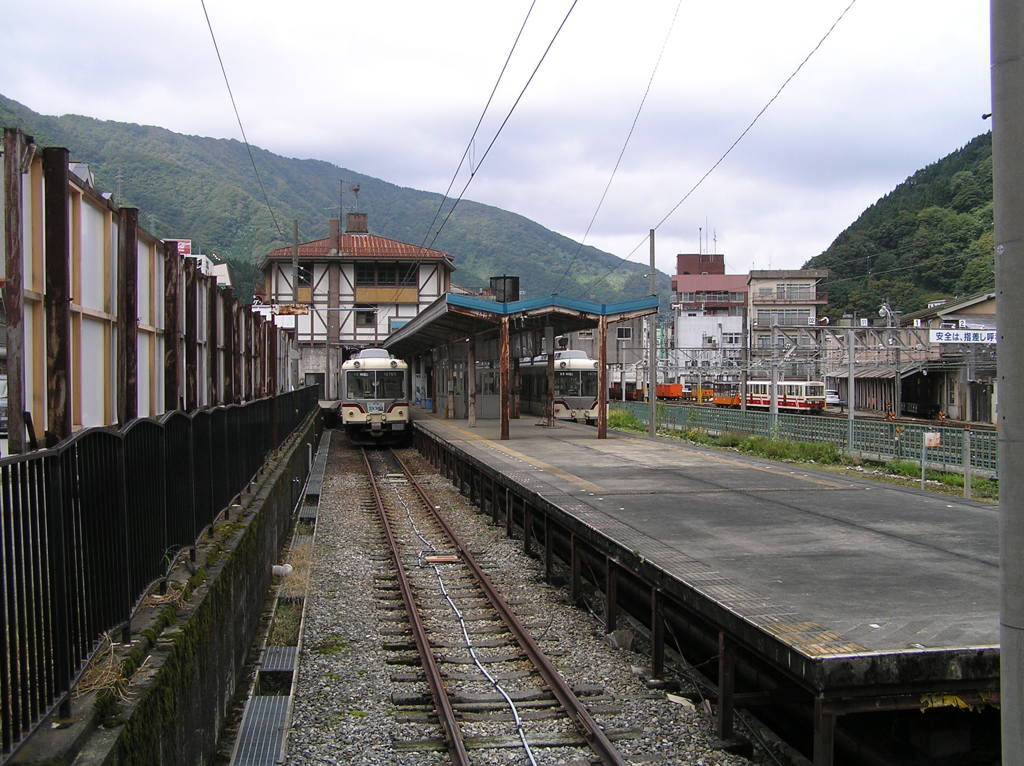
pixel 652 353
pixel 1007 20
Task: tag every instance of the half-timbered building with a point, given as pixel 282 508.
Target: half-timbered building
pixel 347 291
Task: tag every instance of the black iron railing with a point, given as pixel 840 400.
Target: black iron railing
pixel 88 525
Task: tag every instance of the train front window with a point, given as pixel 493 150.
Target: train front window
pixel 359 384
pixel 391 384
pixel 588 383
pixel 567 383
pixel 815 389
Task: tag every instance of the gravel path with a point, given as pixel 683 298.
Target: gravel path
pixel 343 710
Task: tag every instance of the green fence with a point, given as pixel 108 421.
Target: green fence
pixel 870 438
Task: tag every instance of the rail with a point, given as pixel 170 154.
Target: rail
pixel 576 710
pixel 896 440
pixel 90 523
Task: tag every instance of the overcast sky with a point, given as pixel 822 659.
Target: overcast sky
pixel 393 89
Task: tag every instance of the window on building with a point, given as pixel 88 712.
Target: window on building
pixel 366 315
pixel 732 338
pixel 624 333
pixel 586 335
pixel 386 274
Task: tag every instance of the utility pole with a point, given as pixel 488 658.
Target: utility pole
pixel 850 393
pixel 652 369
pixel 1007 20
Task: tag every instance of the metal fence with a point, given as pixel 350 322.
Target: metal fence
pixel 89 524
pixel 958 448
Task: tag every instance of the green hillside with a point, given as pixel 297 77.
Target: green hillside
pixel 204 189
pixel 931 236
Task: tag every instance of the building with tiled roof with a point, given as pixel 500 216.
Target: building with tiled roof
pixel 352 289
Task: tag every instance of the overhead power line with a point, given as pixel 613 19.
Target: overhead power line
pixel 476 128
pixel 234 106
pixel 618 161
pixel 504 122
pixel 732 146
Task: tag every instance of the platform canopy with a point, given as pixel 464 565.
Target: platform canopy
pixel 454 316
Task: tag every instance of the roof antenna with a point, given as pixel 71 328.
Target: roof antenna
pixel 700 240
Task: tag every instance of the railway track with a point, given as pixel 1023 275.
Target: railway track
pixel 490 686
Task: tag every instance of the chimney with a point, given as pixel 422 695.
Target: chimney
pixel 335 224
pixel 355 223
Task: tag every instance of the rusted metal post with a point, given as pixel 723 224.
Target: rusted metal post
pixel 549 550
pixel 602 378
pixel 824 734
pixel 172 326
pixel 250 318
pixel 726 686
pixel 127 315
pixel 657 635
pixel 471 381
pixel 191 335
pixel 574 571
pixel 14 153
pixel 505 393
pixel 57 300
pixel 611 595
pixel 549 405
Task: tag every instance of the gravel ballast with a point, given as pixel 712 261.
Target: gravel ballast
pixel 344 710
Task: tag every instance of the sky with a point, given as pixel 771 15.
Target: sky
pixel 394 89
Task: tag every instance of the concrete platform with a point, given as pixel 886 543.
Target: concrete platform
pixel 863 583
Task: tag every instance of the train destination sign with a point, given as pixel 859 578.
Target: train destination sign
pixel 962 336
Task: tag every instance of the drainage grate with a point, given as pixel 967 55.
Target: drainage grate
pixel 279 659
pixel 262 731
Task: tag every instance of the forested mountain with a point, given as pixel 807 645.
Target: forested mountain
pixel 931 236
pixel 204 189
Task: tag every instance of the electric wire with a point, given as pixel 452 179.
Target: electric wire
pixel 495 683
pixel 728 151
pixel 248 148
pixel 622 152
pixel 479 121
pixel 504 122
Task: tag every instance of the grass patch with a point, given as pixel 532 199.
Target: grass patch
pixel 331 644
pixel 624 421
pixel 284 630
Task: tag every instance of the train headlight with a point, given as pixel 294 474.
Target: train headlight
pixel 562 365
pixel 356 365
pixel 394 363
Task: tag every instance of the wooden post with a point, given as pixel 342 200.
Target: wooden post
pixel 249 316
pixel 214 391
pixel 471 381
pixel 127 315
pixel 14 150
pixel 228 334
pixel 172 327
pixel 602 378
pixel 57 300
pixel 505 393
pixel 191 335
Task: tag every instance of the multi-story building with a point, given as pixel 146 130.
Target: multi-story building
pixel 783 309
pixel 709 308
pixel 351 290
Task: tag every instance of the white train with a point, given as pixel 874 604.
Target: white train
pixel 575 386
pixel 375 398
